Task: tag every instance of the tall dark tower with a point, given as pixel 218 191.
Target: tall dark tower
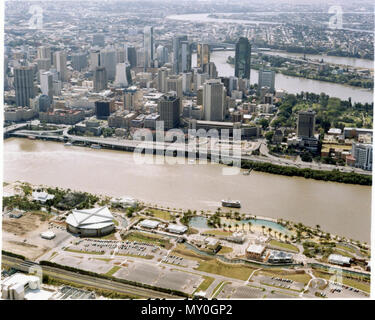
pixel 242 59
pixel 24 85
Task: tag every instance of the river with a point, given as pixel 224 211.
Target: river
pixel 292 84
pixel 338 208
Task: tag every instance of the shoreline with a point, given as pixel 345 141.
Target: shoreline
pixel 164 207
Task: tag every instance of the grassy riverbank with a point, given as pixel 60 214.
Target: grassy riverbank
pixel 334 175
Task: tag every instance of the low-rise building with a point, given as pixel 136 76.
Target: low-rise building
pixel 62 116
pixel 255 251
pixel 42 196
pixel 175 228
pixel 339 260
pixel 20 286
pixel 276 256
pixel 149 224
pixel 124 202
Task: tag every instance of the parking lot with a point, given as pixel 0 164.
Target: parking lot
pixel 109 247
pixel 161 276
pixel 70 293
pixel 338 290
pixel 278 282
pixel 179 261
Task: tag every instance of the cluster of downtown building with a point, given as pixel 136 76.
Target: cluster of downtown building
pixel 130 86
pixel 136 84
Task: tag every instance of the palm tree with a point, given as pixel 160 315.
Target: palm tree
pixel 269 230
pixel 224 225
pixel 236 225
pixel 286 237
pixel 263 227
pixel 280 234
pixel 249 223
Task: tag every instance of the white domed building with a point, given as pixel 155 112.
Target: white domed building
pixel 95 222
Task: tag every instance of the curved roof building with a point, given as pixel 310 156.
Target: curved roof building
pixel 91 222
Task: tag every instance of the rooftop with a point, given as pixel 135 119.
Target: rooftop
pixel 94 218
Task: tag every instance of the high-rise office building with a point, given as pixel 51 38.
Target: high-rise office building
pixel 213 100
pixel 140 57
pixel 148 45
pixel 186 52
pixel 44 103
pixel 174 83
pixel 131 56
pixel 44 64
pixel 108 60
pixel 266 78
pixel 61 65
pixel 102 109
pixel 187 79
pixel 233 84
pixel 94 59
pixel 203 54
pixel 24 85
pixel 169 110
pixel 121 55
pixel 46 84
pixel 200 79
pixel 100 79
pixel 79 61
pixel 123 76
pixel 242 58
pixel 210 69
pixel 162 55
pixel 362 154
pixel 163 73
pixel 177 57
pixel 306 124
pixel 44 52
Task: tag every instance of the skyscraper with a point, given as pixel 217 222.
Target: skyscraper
pixel 44 103
pixel 123 76
pixel 266 78
pixel 94 59
pixel 102 109
pixel 43 64
pixel 44 52
pixel 213 100
pixel 79 61
pixel 242 58
pixel 210 69
pixel 203 54
pixel 131 55
pixel 174 83
pixel 46 84
pixel 24 85
pixel 162 55
pixel 169 109
pixel 61 65
pixel 162 79
pixel 148 45
pixel 100 79
pixel 185 57
pixel 108 60
pixel 177 53
pixel 306 124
